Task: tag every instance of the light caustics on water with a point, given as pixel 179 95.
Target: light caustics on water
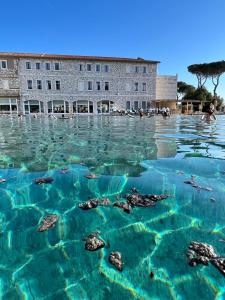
pixel 154 155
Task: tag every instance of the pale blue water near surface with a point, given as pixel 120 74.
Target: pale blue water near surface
pixel 145 153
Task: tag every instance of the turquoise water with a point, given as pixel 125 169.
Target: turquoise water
pixel 156 156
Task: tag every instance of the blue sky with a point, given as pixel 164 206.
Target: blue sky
pixel 176 32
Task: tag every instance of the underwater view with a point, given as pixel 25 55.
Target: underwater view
pixel 76 193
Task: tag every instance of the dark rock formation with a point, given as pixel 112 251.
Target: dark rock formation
pixel 195 185
pixel 139 200
pixel 93 243
pixel 115 258
pixel 124 205
pixel 48 222
pixel 219 263
pixel 88 205
pixel 44 180
pixel 200 253
pixel 134 200
pixel 93 203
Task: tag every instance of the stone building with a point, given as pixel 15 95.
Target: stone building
pixel 61 84
pixel 9 84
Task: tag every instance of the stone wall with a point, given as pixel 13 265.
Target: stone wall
pixel 74 83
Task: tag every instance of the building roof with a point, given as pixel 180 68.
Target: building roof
pixel 74 57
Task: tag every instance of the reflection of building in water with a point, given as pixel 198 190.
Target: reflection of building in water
pixel 60 84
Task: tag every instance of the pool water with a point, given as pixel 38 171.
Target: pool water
pixel 156 156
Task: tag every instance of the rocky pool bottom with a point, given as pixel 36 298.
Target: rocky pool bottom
pixel 153 241
pixel 143 246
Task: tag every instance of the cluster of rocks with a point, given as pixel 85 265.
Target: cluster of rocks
pixel 139 200
pixel 93 203
pixel 48 222
pixel 201 253
pixel 94 243
pixel 195 185
pixel 133 200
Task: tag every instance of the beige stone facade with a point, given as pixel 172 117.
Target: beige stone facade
pixel 52 84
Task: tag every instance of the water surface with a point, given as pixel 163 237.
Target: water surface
pixel 156 156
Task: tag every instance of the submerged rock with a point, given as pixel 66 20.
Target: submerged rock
pixel 44 180
pixel 91 176
pixel 200 253
pixel 48 222
pixel 195 185
pixel 88 205
pixel 219 263
pixel 115 258
pixel 93 203
pixel 93 243
pixel 124 205
pixel 139 200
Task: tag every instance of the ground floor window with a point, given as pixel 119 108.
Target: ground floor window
pixel 105 107
pixel 8 106
pixel 136 105
pixel 127 105
pixel 58 107
pixel 83 107
pixel 33 107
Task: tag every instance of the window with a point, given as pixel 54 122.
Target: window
pixel 144 86
pixel 38 66
pixel 98 85
pixel 47 66
pixel 128 105
pixel 106 86
pixel 143 105
pixel 106 68
pixel 88 67
pixel 144 70
pixel 49 84
pixel 80 67
pixel 28 65
pixel 90 85
pixel 57 66
pixel 29 84
pixel 136 69
pixel 57 84
pixel 4 64
pixel 136 105
pixel 98 68
pixel 39 85
pixel 136 86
